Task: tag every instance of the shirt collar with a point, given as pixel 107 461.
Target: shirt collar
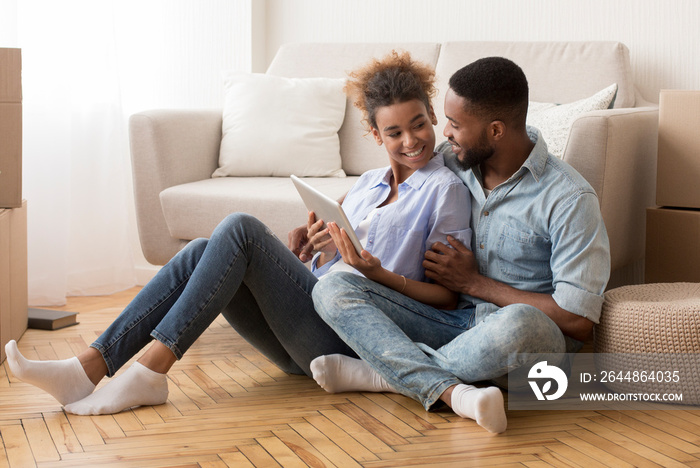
pixel 537 160
pixel 417 179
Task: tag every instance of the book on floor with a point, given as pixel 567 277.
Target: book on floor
pixel 46 319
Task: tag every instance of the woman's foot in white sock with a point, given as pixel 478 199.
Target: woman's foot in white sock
pixel 138 386
pixel 484 405
pixel 337 373
pixel 65 380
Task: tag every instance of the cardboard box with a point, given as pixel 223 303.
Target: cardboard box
pixel 678 172
pixel 5 325
pixel 672 246
pixel 10 128
pixel 10 75
pixel 13 275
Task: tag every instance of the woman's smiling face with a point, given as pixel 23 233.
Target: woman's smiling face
pixel 406 129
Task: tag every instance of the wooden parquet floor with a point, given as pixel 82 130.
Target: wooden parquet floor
pixel 229 407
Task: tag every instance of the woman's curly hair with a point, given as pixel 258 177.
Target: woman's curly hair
pixel 394 79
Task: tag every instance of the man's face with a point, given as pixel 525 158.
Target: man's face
pixel 466 132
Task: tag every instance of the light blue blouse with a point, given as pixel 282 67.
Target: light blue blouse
pixel 433 202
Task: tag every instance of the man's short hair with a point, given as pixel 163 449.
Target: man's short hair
pixel 495 88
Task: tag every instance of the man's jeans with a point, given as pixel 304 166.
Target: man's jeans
pixel 422 351
pixel 244 271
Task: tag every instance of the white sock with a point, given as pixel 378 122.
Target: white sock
pixel 484 405
pixel 138 386
pixel 337 373
pixel 65 380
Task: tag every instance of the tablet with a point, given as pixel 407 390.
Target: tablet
pixel 326 209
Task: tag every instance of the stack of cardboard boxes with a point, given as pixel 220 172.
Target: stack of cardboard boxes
pixel 673 228
pixel 13 210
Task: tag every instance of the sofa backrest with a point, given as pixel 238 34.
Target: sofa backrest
pixel 557 72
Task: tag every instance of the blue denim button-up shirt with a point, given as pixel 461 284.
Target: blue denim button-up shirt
pixel 539 231
pixel 432 203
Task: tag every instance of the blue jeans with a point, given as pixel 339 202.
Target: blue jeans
pixel 422 351
pixel 244 271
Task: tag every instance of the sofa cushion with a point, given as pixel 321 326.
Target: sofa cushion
pixel 556 71
pixel 358 149
pixel 276 126
pixel 193 210
pixel 555 120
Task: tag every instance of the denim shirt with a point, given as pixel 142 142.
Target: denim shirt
pixel 539 231
pixel 432 203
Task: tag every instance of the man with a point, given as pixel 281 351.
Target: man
pixel 532 284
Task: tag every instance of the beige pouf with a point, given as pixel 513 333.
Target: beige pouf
pixel 650 328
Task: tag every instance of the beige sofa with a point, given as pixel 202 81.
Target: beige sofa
pixel 175 152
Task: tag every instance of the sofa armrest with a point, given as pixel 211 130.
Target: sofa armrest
pixel 615 150
pixel 168 147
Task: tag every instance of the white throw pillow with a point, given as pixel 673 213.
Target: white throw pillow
pixel 275 126
pixel 555 120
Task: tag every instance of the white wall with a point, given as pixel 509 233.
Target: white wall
pixel 663 35
pixel 8 23
pixel 166 53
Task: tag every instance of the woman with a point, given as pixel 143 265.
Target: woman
pixel 261 287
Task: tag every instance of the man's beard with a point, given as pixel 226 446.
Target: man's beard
pixel 475 156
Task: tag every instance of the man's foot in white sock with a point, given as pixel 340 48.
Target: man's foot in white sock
pixel 65 380
pixel 337 373
pixel 484 405
pixel 138 386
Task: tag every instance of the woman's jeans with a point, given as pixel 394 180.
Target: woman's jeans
pixel 422 351
pixel 242 271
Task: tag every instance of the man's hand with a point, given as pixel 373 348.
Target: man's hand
pixel 455 268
